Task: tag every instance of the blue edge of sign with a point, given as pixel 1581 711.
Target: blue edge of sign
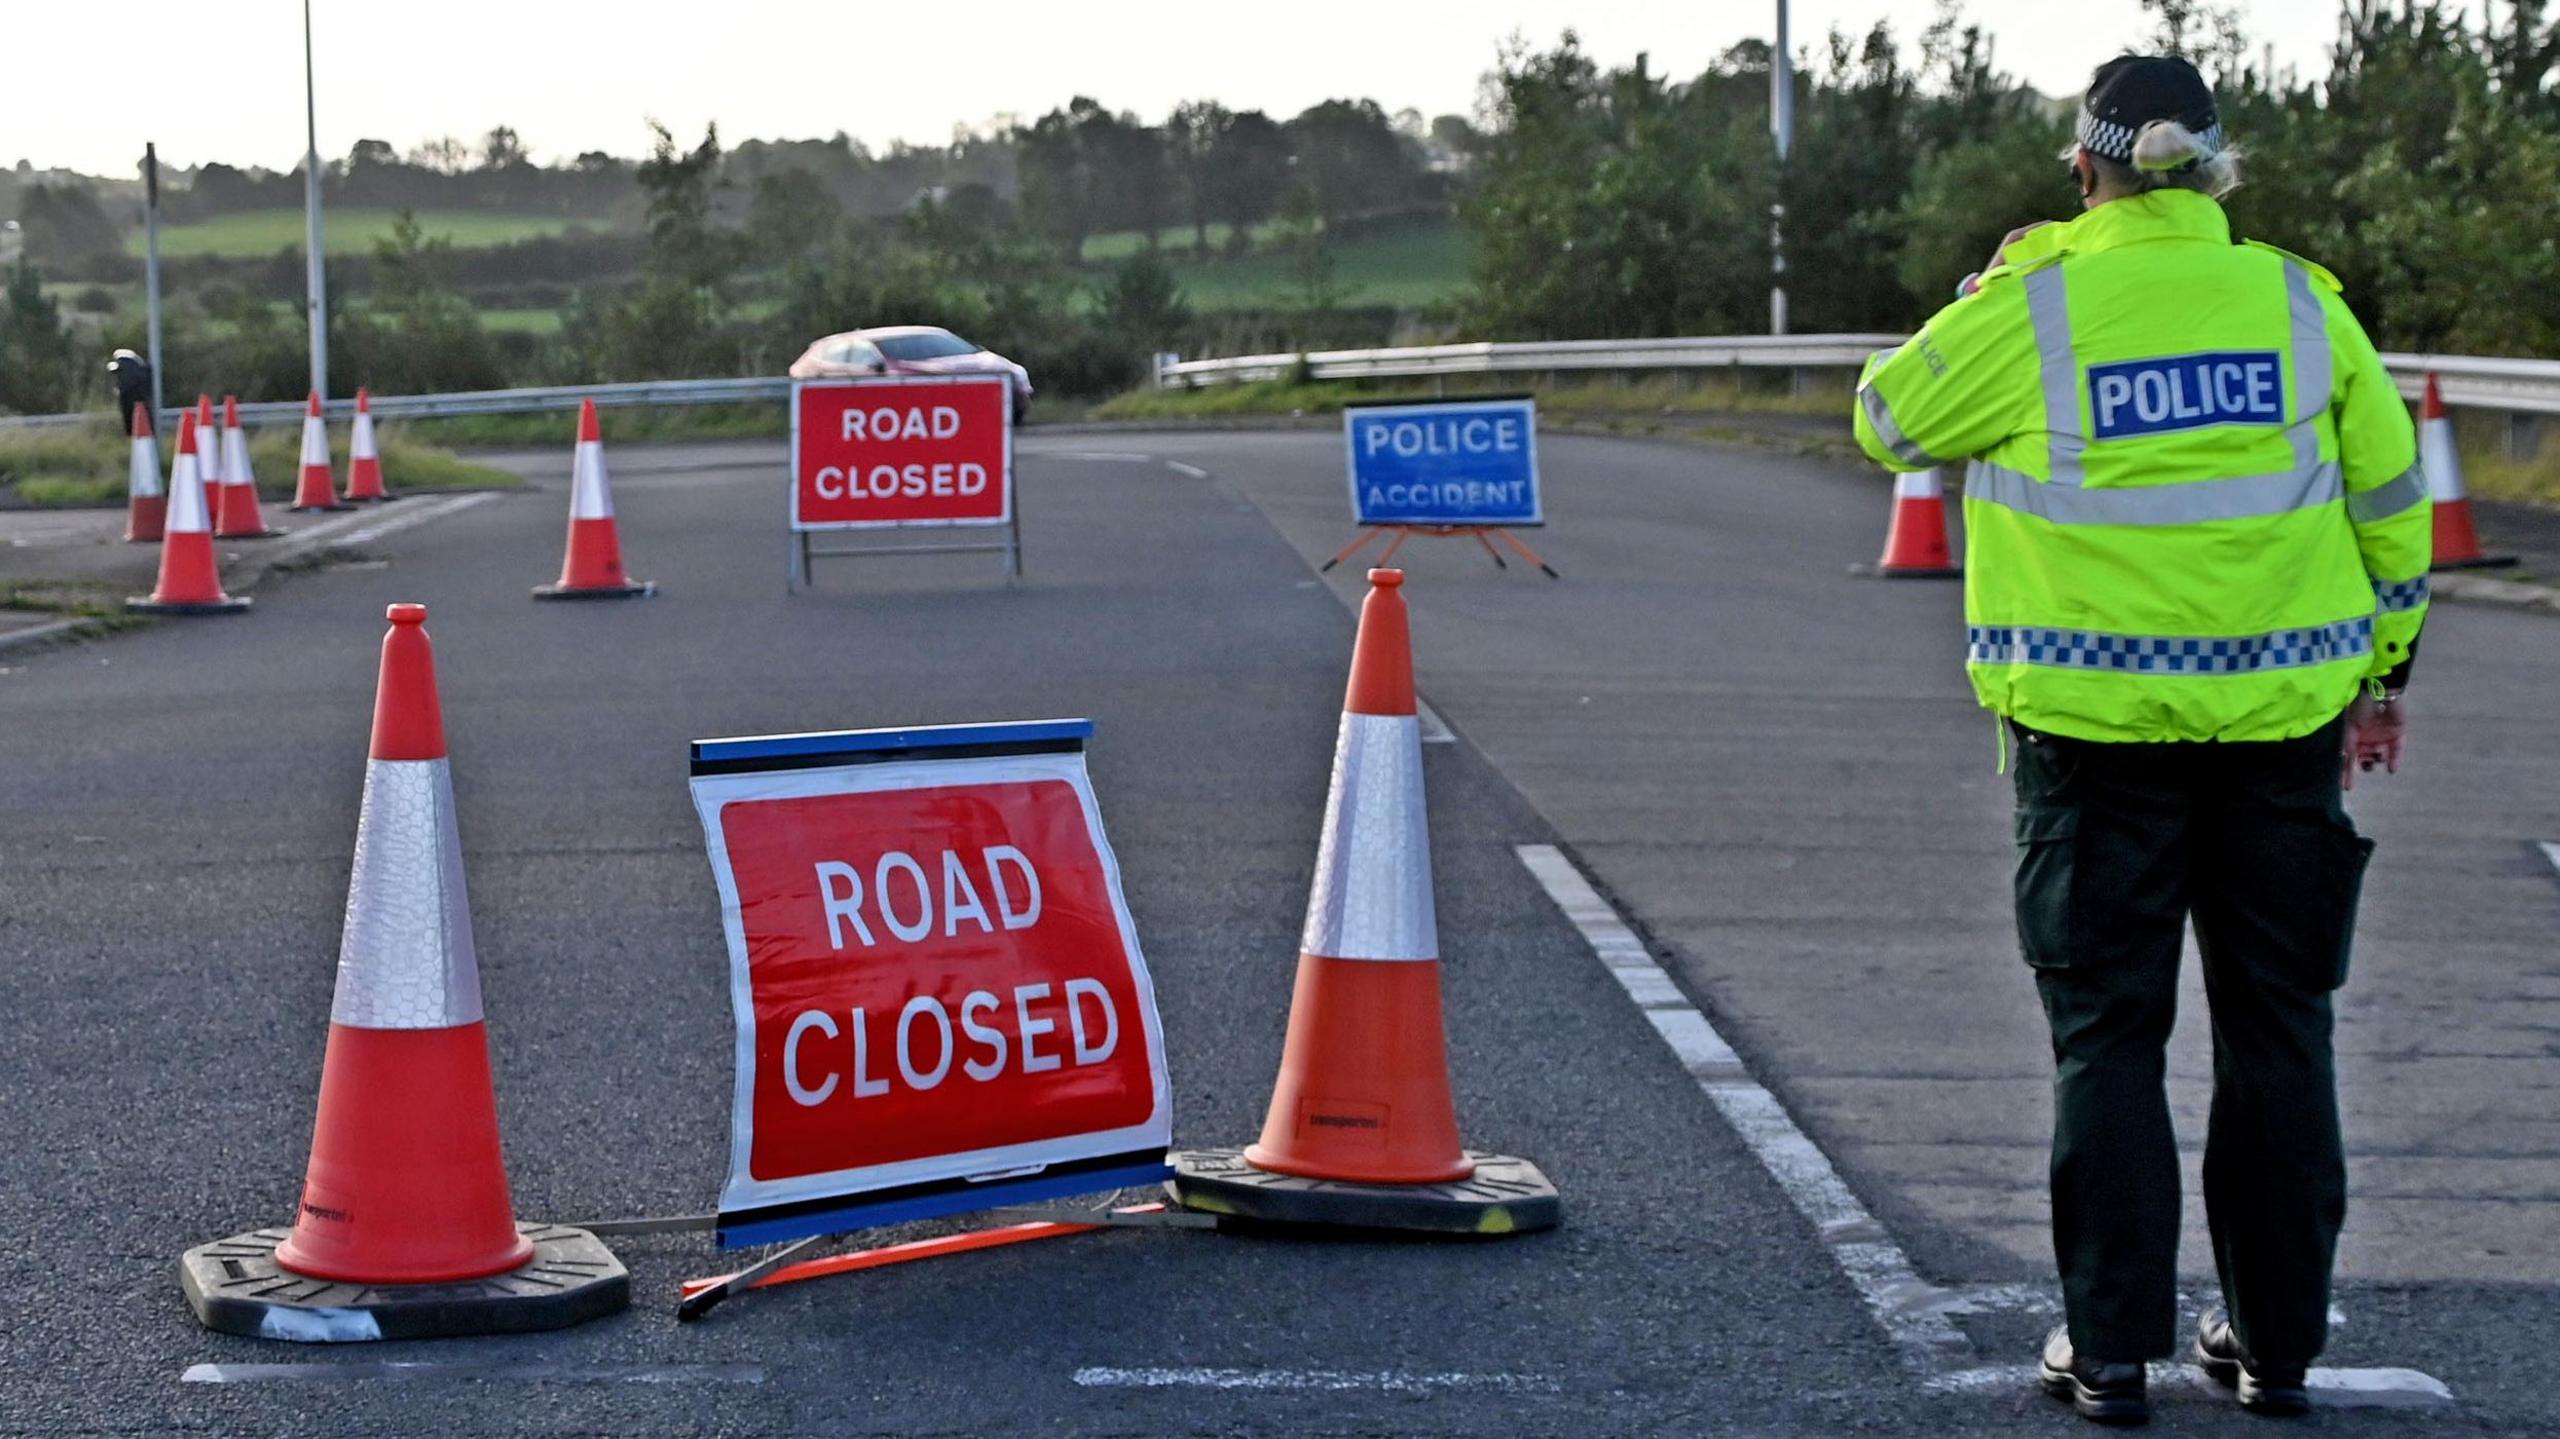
pixel 960 1196
pixel 744 1228
pixel 875 741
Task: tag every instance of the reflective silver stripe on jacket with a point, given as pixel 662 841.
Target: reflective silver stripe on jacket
pixel 2311 385
pixel 2246 497
pixel 2393 596
pixel 2048 305
pixel 1880 415
pixel 2388 498
pixel 2169 654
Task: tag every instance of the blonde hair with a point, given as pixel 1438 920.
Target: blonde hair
pixel 2168 156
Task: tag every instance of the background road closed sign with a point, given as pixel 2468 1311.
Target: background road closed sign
pixel 1448 462
pixel 922 450
pixel 941 1005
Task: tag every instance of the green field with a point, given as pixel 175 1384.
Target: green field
pixel 1409 267
pixel 1121 244
pixel 351 231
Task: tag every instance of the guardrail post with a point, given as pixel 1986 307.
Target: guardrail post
pixel 2524 435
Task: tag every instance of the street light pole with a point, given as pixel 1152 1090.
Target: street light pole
pixel 1782 128
pixel 318 284
pixel 151 267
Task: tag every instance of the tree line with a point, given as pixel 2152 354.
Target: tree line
pixel 2421 163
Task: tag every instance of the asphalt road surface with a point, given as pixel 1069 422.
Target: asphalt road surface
pixel 1772 772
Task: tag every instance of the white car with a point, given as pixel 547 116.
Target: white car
pixel 909 350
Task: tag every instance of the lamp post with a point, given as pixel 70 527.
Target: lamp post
pixel 1782 127
pixel 318 283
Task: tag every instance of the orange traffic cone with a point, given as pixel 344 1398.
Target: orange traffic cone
pixel 209 458
pixel 146 505
pixel 1361 1128
pixel 592 569
pixel 407 1185
pixel 189 582
pixel 238 518
pixel 2457 542
pixel 1915 543
pixel 364 463
pixel 317 490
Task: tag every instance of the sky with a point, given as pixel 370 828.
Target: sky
pixel 572 76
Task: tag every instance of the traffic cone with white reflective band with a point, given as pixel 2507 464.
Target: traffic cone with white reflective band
pixel 238 518
pixel 1915 542
pixel 1362 1129
pixel 190 583
pixel 209 458
pixel 364 462
pixel 2457 541
pixel 407 1185
pixel 592 569
pixel 317 490
pixel 146 503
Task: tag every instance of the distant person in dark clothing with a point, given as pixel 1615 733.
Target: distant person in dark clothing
pixel 133 384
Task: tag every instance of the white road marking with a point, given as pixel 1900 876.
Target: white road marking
pixel 2551 852
pixel 1179 468
pixel 1389 1381
pixel 457 1369
pixel 1435 730
pixel 1914 1313
pixel 2330 1388
pixel 1911 1311
pixel 393 523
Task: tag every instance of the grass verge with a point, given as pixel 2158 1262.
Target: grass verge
pixel 88 465
pixel 560 427
pixel 352 230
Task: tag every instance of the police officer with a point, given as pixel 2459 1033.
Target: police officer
pixel 133 383
pixel 2198 555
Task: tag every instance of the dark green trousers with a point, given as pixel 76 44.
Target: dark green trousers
pixel 2118 846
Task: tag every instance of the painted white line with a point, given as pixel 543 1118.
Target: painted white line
pixel 1435 730
pixel 1911 1311
pixel 457 1369
pixel 393 523
pixel 1319 1380
pixel 2551 852
pixel 2330 1388
pixel 1179 468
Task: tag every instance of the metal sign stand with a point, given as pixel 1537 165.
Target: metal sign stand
pixel 1484 535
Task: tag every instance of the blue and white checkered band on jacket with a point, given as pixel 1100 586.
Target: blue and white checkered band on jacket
pixel 2109 140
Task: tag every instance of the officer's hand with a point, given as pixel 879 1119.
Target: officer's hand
pixel 2375 732
pixel 2000 256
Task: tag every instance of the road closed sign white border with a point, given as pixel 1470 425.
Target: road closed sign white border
pixel 758 1211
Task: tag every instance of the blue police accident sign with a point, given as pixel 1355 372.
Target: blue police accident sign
pixel 1451 462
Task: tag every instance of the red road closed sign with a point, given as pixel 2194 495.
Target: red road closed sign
pixel 903 451
pixel 941 1004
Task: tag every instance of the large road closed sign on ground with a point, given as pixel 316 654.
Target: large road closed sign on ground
pixel 941 1004
pixel 901 452
pixel 1447 462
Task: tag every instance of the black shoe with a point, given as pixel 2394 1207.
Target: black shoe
pixel 2105 1392
pixel 2278 1390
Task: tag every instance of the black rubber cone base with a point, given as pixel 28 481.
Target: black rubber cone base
pixel 1876 571
pixel 320 509
pixel 1506 1195
pixel 145 605
pixel 636 590
pixel 260 535
pixel 235 1286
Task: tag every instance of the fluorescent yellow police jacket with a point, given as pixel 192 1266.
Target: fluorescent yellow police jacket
pixel 2192 502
